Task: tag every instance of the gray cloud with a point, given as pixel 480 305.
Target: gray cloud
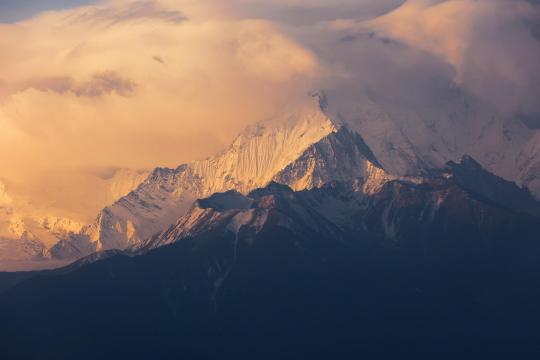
pixel 367 34
pixel 132 11
pixel 99 84
pixel 492 44
pixel 14 10
pixel 312 12
pixel 531 122
pixel 105 83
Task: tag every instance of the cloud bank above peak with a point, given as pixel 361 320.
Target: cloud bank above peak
pixel 143 67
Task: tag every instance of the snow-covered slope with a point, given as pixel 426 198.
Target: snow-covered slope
pixel 25 238
pixel 5 198
pixel 528 165
pixel 233 212
pixel 123 181
pixel 27 234
pixel 302 147
pixel 408 138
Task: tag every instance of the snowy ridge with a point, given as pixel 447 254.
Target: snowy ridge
pixel 528 165
pixel 275 203
pixel 124 181
pixel 25 240
pixel 264 149
pixel 463 195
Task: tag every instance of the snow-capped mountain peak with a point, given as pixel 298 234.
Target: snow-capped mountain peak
pixel 301 147
pixel 264 149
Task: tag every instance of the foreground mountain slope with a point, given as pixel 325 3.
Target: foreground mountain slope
pixel 415 269
pixel 302 148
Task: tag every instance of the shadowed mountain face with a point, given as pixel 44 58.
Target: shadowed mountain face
pixel 414 269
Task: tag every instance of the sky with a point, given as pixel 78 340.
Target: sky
pixel 16 10
pixel 87 86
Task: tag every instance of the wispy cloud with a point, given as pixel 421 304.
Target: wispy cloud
pixel 16 10
pixel 99 84
pixel 134 11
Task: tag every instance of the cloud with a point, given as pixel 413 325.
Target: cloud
pixel 134 84
pixel 309 12
pixel 133 11
pixel 492 44
pixel 13 10
pixel 98 85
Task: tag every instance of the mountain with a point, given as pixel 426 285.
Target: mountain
pixel 409 137
pixel 470 175
pixel 12 278
pixel 528 165
pixel 121 181
pixel 413 268
pixel 5 199
pixel 328 137
pixel 28 233
pixel 310 144
pixel 302 147
pixel 25 237
pixel 462 196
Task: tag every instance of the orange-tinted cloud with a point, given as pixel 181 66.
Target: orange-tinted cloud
pixel 136 84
